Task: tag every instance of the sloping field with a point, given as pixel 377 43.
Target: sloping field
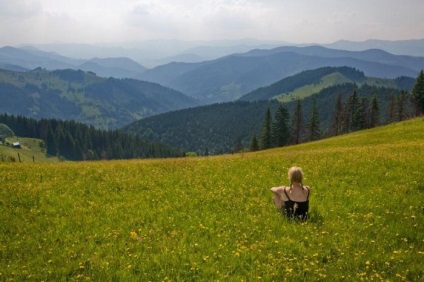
pixel 32 150
pixel 209 219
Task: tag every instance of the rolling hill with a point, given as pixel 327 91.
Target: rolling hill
pixel 229 78
pixel 85 97
pixel 310 82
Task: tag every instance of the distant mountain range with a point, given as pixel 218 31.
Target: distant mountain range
pixel 85 97
pixel 414 47
pixel 24 59
pixel 229 78
pixel 159 52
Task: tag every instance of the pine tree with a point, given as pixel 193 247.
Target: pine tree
pixel 351 118
pixel 297 123
pixel 418 93
pixel 401 102
pixel 391 109
pixel 363 113
pixel 374 112
pixel 266 131
pixel 314 130
pixel 336 125
pixel 280 129
pixel 356 112
pixel 254 146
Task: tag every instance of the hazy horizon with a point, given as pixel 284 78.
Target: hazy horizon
pixel 297 22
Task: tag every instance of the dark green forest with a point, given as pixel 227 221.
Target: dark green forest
pixel 215 129
pixel 76 141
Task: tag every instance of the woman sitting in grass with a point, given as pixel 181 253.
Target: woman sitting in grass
pixel 293 201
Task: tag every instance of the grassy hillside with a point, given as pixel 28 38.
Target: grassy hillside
pixel 337 78
pixel 32 150
pixel 310 89
pixel 310 82
pixel 209 219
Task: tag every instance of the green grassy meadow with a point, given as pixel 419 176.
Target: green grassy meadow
pixel 212 218
pixel 308 90
pixel 328 81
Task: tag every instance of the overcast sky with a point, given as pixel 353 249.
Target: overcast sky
pixel 295 21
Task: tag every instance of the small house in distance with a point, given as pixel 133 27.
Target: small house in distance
pixel 16 145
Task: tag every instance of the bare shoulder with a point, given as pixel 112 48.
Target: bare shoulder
pixel 279 189
pixel 308 187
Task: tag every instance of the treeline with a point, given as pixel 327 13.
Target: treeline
pixel 77 141
pixel 350 114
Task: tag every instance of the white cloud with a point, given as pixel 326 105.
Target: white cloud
pixel 131 20
pixel 20 9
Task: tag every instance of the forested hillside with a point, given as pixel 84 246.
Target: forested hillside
pixel 229 127
pixel 85 97
pixel 76 141
pixel 213 129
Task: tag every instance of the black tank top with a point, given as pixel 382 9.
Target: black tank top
pixel 296 210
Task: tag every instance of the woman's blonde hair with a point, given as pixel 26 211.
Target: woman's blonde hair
pixel 295 175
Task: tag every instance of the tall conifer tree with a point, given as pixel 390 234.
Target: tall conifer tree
pixel 281 127
pixel 391 109
pixel 401 102
pixel 351 117
pixel 266 142
pixel 297 122
pixel 337 116
pixel 418 93
pixel 254 146
pixel 314 130
pixel 374 112
pixel 363 113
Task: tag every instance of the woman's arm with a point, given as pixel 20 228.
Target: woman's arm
pixel 278 196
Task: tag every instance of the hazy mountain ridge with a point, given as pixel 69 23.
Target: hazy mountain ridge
pixel 85 97
pixel 159 52
pixel 413 47
pixel 29 58
pixel 228 78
